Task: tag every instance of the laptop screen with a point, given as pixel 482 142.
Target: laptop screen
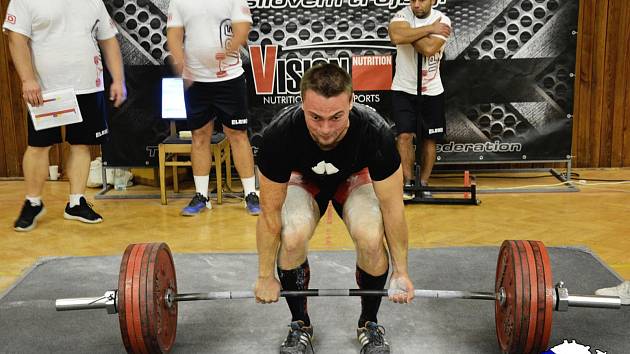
pixel 173 104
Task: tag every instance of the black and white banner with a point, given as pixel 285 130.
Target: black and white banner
pixel 508 70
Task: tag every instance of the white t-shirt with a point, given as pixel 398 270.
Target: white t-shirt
pixel 208 27
pixel 64 35
pixel 406 77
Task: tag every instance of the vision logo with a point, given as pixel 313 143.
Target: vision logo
pixel 11 19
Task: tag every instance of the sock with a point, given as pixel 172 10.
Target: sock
pixel 370 304
pixel 35 201
pixel 75 199
pixel 297 279
pixel 201 184
pixel 249 185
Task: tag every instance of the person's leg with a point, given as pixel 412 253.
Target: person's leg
pixel 428 160
pixel 404 144
pixel 405 116
pixel 230 102
pixel 300 214
pixel 201 159
pixel 92 130
pixel 363 218
pixel 244 162
pixel 35 167
pixel 78 168
pixel 35 163
pixel 432 109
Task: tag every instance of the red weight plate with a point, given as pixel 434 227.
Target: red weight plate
pixel 545 296
pixel 126 317
pixel 512 316
pixel 144 293
pixel 139 288
pixel 162 318
pixel 530 300
pixel 122 277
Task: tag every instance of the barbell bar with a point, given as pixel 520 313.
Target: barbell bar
pixel 146 299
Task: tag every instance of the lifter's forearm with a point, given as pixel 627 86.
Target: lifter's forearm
pixel 21 54
pixel 175 42
pixel 267 242
pixel 397 236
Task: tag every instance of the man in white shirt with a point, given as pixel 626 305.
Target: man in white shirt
pixel 420 34
pixel 204 38
pixel 54 45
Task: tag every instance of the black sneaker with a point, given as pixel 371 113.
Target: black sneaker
pixel 28 217
pixel 408 194
pixel 82 212
pixel 299 340
pixel 252 203
pixel 372 339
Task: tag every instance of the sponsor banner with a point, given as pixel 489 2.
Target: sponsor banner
pixel 507 70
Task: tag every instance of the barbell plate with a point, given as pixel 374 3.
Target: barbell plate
pixel 162 320
pixel 530 297
pixel 129 317
pixel 143 292
pixel 508 316
pixel 545 296
pixel 122 276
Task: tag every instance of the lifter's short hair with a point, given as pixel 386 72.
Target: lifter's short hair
pixel 328 80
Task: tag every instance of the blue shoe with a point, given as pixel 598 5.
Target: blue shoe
pixel 198 204
pixel 252 204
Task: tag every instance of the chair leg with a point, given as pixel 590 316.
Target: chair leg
pixel 218 171
pixel 162 161
pixel 175 177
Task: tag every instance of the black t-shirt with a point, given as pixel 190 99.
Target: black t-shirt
pixel 287 146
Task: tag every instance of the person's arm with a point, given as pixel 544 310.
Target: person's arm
pixel 268 227
pixel 429 46
pixel 240 31
pixel 400 32
pixel 175 42
pixel 114 62
pixel 21 55
pixel 388 192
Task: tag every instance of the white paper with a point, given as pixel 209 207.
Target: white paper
pixel 60 108
pixel 173 104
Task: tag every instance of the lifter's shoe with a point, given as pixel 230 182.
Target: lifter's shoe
pixel 372 339
pixel 82 212
pixel 622 290
pixel 29 216
pixel 408 194
pixel 299 340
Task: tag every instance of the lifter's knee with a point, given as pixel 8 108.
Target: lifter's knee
pixel 405 138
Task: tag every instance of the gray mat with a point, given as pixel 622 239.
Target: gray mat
pixel 29 323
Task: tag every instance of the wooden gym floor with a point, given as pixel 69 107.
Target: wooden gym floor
pixel 596 217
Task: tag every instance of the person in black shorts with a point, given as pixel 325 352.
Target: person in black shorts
pixel 204 39
pixel 53 50
pixel 420 34
pixel 330 149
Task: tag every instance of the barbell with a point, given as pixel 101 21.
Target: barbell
pixel 524 296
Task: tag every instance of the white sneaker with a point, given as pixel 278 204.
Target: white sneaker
pixel 622 290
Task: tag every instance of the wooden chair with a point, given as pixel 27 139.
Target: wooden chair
pixel 173 146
